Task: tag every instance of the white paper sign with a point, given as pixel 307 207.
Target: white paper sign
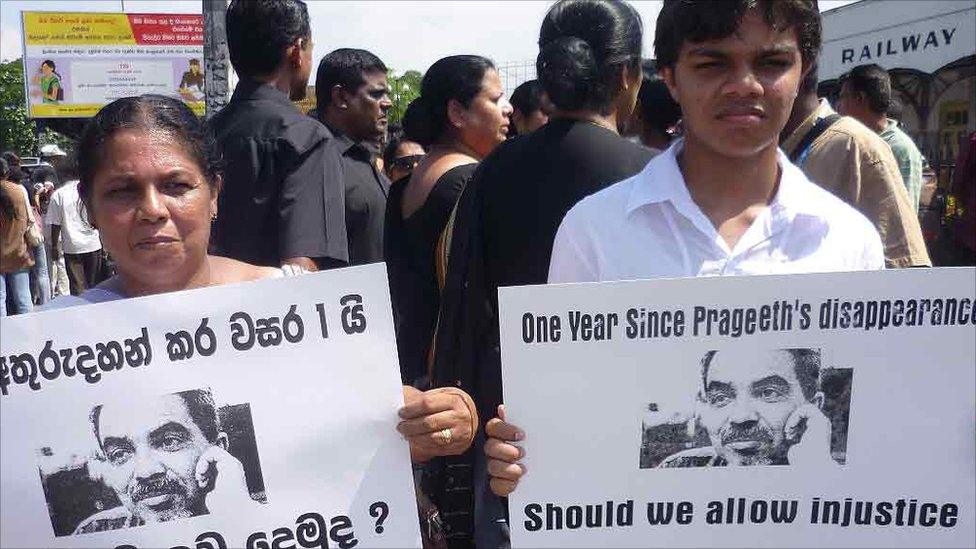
pixel 849 396
pixel 264 416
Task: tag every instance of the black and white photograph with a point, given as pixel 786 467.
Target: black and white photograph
pixel 172 457
pixel 752 407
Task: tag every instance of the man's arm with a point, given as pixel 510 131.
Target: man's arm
pixel 885 201
pixel 312 226
pixel 54 219
pixel 56 241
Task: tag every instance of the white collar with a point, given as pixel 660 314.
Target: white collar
pixel 662 181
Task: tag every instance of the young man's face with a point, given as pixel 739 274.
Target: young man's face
pixel 151 452
pixel 747 398
pixel 736 93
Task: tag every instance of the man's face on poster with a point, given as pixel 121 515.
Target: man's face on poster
pixel 746 401
pixel 151 453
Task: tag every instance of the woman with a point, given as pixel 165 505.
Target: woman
pixel 459 117
pixel 400 156
pixel 15 254
pixel 50 83
pixel 149 180
pixel 589 64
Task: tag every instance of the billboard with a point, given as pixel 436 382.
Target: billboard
pixel 75 63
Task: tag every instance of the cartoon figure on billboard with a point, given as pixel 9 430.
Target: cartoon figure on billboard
pixel 49 82
pixel 191 85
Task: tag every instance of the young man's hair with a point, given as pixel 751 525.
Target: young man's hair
pixel 697 21
pixel 527 97
pixel 259 32
pixel 199 404
pixel 345 67
pixel 873 82
pixel 806 366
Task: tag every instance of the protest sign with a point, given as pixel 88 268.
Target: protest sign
pixel 847 398
pixel 252 415
pixel 77 62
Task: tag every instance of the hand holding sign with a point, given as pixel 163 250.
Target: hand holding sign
pixel 438 422
pixel 223 474
pixel 503 457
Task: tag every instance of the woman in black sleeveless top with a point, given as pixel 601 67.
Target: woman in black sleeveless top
pixel 460 116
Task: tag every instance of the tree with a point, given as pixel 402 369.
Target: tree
pixel 16 130
pixel 18 133
pixel 403 89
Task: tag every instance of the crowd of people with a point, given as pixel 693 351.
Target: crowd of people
pixel 718 158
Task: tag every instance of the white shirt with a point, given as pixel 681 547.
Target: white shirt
pixel 648 226
pixel 65 209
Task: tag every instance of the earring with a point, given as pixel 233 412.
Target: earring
pixel 213 216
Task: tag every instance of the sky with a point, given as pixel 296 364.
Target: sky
pixel 405 34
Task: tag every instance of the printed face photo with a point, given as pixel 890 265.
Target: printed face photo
pixel 752 407
pixel 747 400
pixel 151 454
pixel 152 460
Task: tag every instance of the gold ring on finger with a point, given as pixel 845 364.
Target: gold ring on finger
pixel 446 436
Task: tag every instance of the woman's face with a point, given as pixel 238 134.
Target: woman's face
pixel 485 121
pixel 46 69
pixel 152 207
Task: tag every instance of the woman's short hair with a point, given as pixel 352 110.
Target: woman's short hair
pixel 584 46
pixel 458 77
pixel 145 112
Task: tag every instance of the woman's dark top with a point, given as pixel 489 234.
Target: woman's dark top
pixel 408 248
pixel 503 233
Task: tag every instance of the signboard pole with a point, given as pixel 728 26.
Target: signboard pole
pixel 216 57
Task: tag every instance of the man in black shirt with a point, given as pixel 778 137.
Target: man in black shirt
pixel 282 201
pixel 352 99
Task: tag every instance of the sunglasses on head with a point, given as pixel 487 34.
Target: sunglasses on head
pixel 406 162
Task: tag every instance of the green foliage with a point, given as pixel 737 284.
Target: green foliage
pixel 17 131
pixel 403 89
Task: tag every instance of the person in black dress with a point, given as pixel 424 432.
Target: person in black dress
pixel 460 116
pixel 589 64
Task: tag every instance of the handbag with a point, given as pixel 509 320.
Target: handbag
pixel 34 237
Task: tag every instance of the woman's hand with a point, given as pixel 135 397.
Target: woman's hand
pixel 503 457
pixel 438 422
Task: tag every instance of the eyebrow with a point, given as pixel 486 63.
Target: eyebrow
pixel 116 441
pixel 718 386
pixel 771 380
pixel 170 426
pixel 706 51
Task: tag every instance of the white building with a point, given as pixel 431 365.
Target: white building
pixel 928 47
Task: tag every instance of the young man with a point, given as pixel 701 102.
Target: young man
pixel 282 201
pixel 723 200
pixel 528 107
pixel 865 94
pixel 848 159
pixel 352 100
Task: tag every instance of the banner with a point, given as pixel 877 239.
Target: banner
pixel 255 415
pixel 75 63
pixel 827 410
